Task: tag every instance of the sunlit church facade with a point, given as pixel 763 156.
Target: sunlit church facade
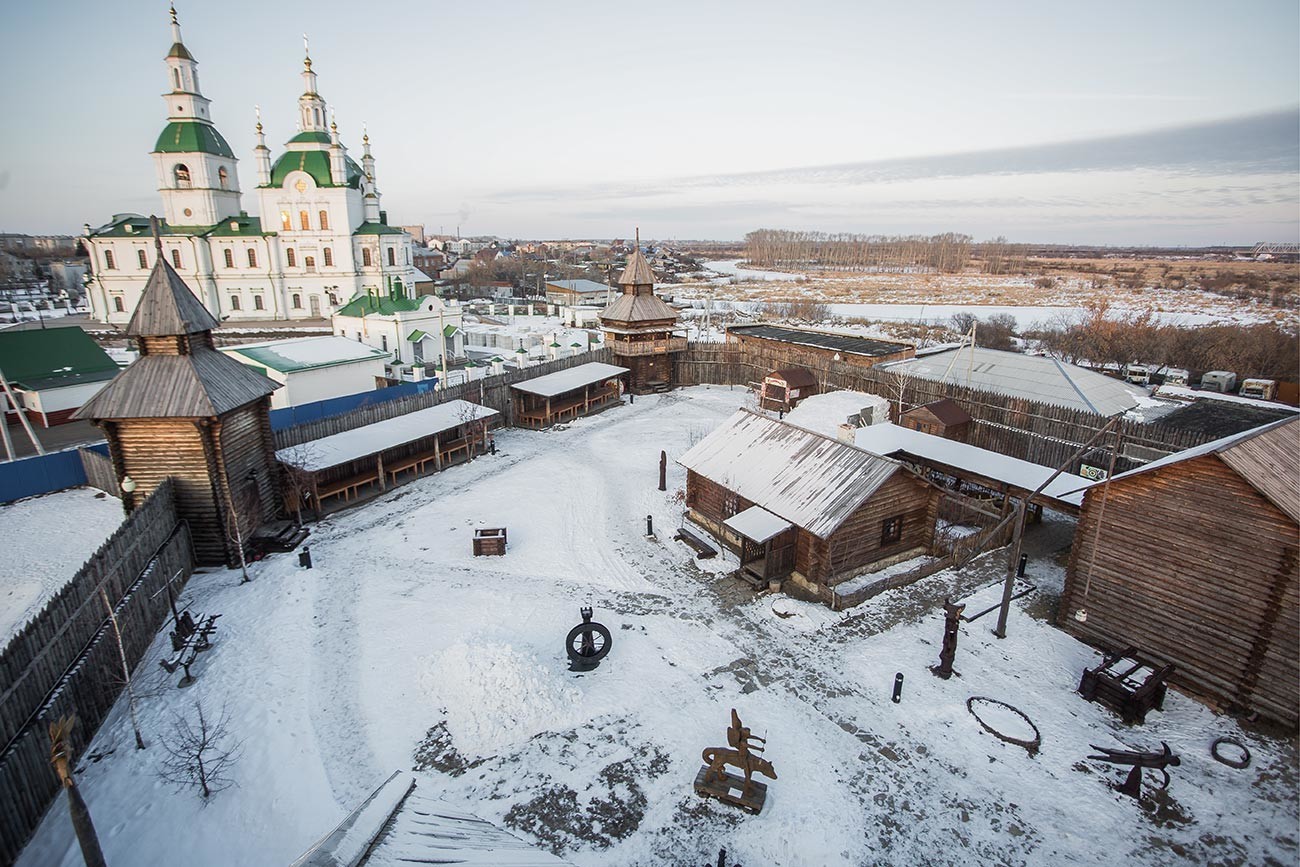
pixel 321 240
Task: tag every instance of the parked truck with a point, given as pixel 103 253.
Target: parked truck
pixel 1260 389
pixel 1222 381
pixel 1138 374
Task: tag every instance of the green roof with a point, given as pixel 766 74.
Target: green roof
pixel 237 227
pixel 311 136
pixel 385 305
pixel 376 229
pixel 179 50
pixel 449 330
pixel 53 357
pixel 316 164
pixel 415 336
pixel 192 136
pixel 136 226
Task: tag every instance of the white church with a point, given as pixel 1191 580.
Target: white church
pixel 321 239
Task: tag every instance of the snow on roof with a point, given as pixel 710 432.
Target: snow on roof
pixel 808 479
pixel 888 438
pixel 1264 456
pixel 371 439
pixel 824 413
pixel 304 353
pixel 1180 392
pixel 567 380
pixel 1035 377
pixel 757 524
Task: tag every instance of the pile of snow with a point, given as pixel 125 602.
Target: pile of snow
pixel 496 696
pixel 828 413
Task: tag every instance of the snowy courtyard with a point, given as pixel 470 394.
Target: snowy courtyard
pixel 401 650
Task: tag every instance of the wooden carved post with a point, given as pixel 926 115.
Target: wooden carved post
pixel 663 471
pixel 951 628
pixel 379 467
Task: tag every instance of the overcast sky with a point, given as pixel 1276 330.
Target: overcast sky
pixel 1121 123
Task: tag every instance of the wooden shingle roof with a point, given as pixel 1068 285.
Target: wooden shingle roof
pixel 168 307
pixel 203 384
pixel 638 308
pixel 637 272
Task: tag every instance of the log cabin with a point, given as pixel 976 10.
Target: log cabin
pixel 1192 559
pixel 800 506
pixel 184 409
pixel 783 389
pixel 941 418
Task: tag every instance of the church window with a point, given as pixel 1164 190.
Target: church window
pixel 333 298
pixel 229 256
pixel 176 79
pixel 182 175
pixel 118 305
pixel 328 254
pixel 234 302
pixel 223 177
pixel 309 262
pixel 296 301
pixel 109 262
pixel 291 257
pixel 284 221
pixel 324 220
pixel 252 258
pixel 176 258
pixel 383 340
pixel 304 221
pixel 392 255
pixel 365 257
pixel 257 302
pixel 143 258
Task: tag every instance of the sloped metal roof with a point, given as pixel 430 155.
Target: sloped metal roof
pixel 810 480
pixel 1039 378
pixel 569 379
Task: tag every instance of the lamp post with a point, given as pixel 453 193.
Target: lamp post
pixel 128 492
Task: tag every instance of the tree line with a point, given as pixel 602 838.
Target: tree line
pixel 783 248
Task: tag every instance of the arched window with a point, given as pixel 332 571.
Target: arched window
pixel 392 255
pixel 176 79
pixel 328 254
pixel 284 221
pixel 291 258
pixel 118 305
pixel 182 176
pixel 223 177
pixel 176 259
pixel 296 301
pixel 257 302
pixel 333 298
pixel 252 258
pixel 143 258
pixel 365 257
pixel 109 262
pixel 234 302
pixel 309 262
pixel 304 222
pixel 324 217
pixel 229 256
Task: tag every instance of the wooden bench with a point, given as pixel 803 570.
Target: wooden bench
pixel 704 551
pixel 347 487
pixel 189 639
pixel 451 448
pixel 418 463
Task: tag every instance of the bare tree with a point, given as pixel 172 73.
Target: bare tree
pixel 897 382
pixel 241 506
pixel 126 669
pixel 199 753
pixel 475 428
pixel 61 759
pixel 295 480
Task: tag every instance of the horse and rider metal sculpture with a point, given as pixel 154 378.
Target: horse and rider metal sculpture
pixel 743 752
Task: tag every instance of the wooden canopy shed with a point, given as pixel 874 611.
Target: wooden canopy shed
pixel 566 394
pixel 1193 560
pixel 185 410
pixel 641 328
pixel 839 510
pixel 783 389
pixel 942 418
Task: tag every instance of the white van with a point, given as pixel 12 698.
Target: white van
pixel 1177 376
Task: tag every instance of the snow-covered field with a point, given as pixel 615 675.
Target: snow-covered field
pixel 400 650
pixel 47 539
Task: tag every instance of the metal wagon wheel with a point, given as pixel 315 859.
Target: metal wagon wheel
pixel 588 642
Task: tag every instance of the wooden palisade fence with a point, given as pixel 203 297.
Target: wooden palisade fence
pixel 99 472
pixel 65 660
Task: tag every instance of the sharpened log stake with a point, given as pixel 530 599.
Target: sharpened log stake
pixel 898 688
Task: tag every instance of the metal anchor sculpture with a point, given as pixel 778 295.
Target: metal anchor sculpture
pixel 714 781
pixel 1132 785
pixel 588 643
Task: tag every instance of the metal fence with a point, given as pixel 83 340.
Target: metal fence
pixel 65 660
pixel 42 474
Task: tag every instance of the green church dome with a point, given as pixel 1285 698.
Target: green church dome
pixel 192 136
pixel 316 164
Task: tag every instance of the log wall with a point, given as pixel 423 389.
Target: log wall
pixel 66 661
pixel 1195 567
pixel 856 543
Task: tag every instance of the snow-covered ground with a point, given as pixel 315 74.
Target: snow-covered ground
pixel 400 650
pixel 47 539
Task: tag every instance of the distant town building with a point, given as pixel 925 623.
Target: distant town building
pixel 576 292
pixel 53 244
pixel 416 233
pixel 322 238
pixel 421 330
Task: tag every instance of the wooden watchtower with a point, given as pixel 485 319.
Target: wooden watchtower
pixel 640 326
pixel 185 410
